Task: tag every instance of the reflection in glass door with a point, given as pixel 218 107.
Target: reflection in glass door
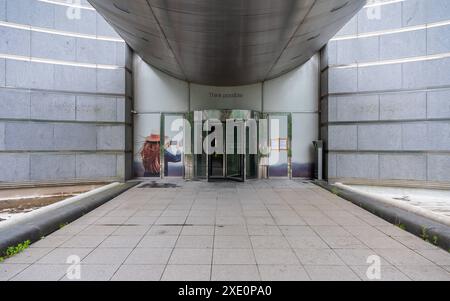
pixel 238 160
pixel 173 142
pixel 216 164
pixel 251 147
pixel 200 159
pixel 279 145
pixel 235 166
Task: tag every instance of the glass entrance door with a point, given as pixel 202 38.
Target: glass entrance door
pixel 216 166
pixel 279 143
pixel 231 164
pixel 235 152
pixel 238 160
pixel 173 142
pixel 216 161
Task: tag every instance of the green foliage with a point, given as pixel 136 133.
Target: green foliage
pixel 435 240
pixel 424 234
pixel 401 226
pixel 335 190
pixel 63 225
pixel 13 250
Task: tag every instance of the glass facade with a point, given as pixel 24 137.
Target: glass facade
pixel 279 145
pixel 213 145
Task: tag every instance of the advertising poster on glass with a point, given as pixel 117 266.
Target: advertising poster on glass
pixel 173 145
pixel 147 146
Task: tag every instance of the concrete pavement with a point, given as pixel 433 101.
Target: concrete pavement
pixel 258 230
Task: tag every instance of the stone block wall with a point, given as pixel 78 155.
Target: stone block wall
pixel 64 102
pixel 385 94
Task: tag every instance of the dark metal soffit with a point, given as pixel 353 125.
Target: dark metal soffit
pixel 227 42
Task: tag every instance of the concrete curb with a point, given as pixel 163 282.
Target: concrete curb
pixel 428 214
pixel 414 223
pixel 41 222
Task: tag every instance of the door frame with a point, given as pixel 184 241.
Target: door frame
pixel 162 137
pixel 289 142
pixel 242 175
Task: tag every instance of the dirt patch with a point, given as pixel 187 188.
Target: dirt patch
pixel 24 204
pixel 15 202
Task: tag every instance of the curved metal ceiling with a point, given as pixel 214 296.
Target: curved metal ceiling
pixel 226 42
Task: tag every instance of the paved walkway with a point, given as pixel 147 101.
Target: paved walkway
pixel 259 230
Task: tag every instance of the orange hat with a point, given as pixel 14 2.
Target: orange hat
pixel 153 138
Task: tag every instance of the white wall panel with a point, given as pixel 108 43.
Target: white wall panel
pixel 155 91
pixel 296 91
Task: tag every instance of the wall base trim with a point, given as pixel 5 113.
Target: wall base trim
pixel 392 183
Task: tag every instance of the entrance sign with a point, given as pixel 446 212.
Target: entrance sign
pixel 247 97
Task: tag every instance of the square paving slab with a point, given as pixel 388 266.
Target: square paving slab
pixel 258 230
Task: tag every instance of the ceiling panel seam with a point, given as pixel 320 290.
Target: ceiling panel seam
pixel 289 41
pixel 163 36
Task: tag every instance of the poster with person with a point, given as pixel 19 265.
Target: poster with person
pixel 150 156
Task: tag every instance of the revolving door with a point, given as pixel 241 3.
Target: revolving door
pixel 229 147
